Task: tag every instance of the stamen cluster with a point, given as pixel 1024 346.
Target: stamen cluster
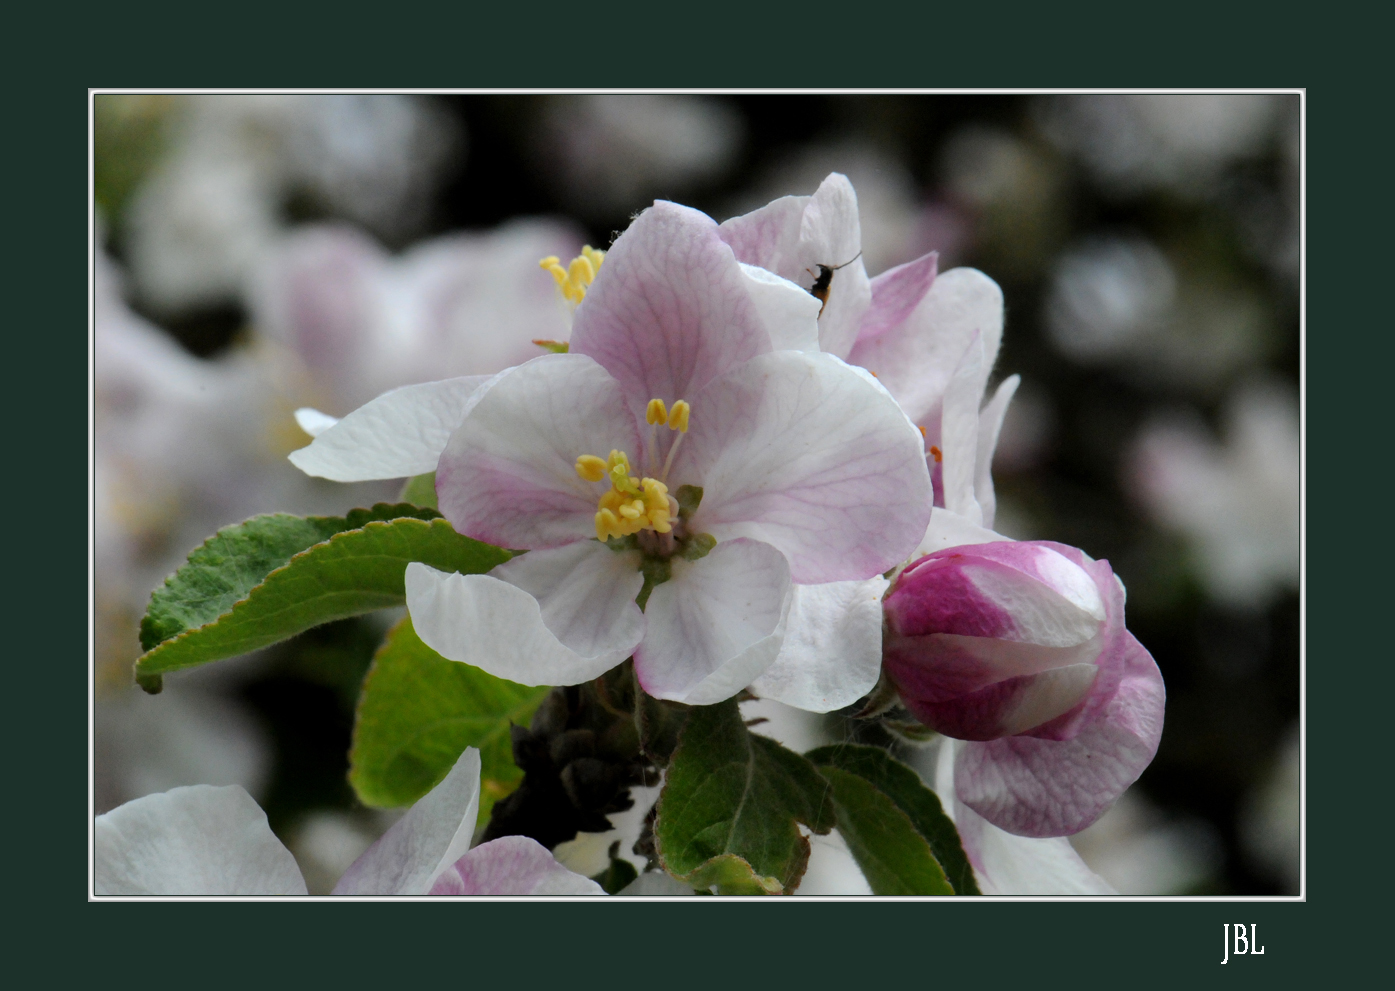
pixel 578 274
pixel 634 504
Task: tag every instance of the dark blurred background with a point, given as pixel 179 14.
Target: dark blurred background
pixel 1147 246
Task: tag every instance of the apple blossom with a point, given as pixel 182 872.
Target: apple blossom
pixel 931 342
pixel 791 467
pixel 202 840
pixel 1020 647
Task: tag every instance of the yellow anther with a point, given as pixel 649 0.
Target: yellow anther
pixel 590 467
pixel 656 412
pixel 607 525
pixel 579 273
pixel 678 416
pixel 630 504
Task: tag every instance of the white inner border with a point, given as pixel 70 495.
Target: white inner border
pixel 1299 92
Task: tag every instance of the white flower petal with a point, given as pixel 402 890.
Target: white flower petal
pixel 508 475
pixel 401 433
pixel 433 835
pixel 716 625
pixel 804 452
pixel 313 422
pixel 916 359
pixel 832 653
pixel 511 866
pixel 1005 864
pixel 990 422
pixel 790 315
pixel 959 433
pixel 196 840
pixel 555 617
pixel 949 529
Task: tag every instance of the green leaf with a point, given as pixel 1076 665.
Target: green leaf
pixel 265 580
pixel 729 812
pixel 420 490
pixel 921 805
pixel 894 858
pixel 418 712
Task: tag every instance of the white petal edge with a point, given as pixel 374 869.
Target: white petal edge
pixel 832 652
pixel 313 422
pixel 716 624
pixel 949 529
pixel 790 315
pixel 401 433
pixel 501 628
pixel 959 432
pixel 1009 865
pixel 990 424
pixel 433 835
pixel 195 840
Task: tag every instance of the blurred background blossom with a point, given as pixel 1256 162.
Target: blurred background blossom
pixel 257 253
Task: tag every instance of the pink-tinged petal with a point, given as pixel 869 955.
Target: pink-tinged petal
pixel 831 235
pixel 915 360
pixel 794 235
pixel 959 432
pixel 1024 591
pixel 832 652
pixel 401 433
pixel 555 617
pixel 948 529
pixel 1036 787
pixel 196 840
pixel 433 835
pixel 769 237
pixel 313 422
pixel 1006 707
pixel 511 866
pixel 1114 648
pixel 990 423
pixel 716 625
pixel 803 452
pixel 895 294
pixel 669 310
pixel 508 474
pixel 942 667
pixel 1008 865
pixel 790 315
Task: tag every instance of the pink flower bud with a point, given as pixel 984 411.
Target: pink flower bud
pixel 993 640
pixel 1021 647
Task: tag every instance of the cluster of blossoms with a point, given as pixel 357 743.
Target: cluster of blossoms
pixel 796 501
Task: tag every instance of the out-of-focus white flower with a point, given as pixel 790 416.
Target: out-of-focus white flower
pixel 187 735
pixel 363 322
pixel 616 152
pixel 1271 817
pixel 206 215
pixel 1237 502
pixel 1139 853
pixel 1120 299
pixel 1136 142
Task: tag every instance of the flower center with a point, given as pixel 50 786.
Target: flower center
pixel 633 504
pixel 578 274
